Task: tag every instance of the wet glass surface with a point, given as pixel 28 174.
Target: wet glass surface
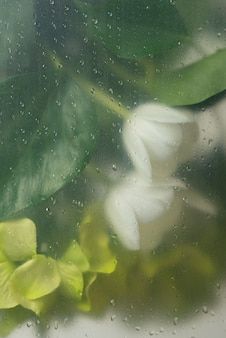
pixel 113 168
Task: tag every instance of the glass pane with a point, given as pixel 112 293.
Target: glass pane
pixel 113 168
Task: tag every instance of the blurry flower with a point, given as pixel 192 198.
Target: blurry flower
pixel 137 201
pixel 154 135
pixel 142 212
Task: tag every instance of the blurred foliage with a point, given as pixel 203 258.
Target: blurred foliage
pixel 84 57
pixel 178 277
pixel 64 66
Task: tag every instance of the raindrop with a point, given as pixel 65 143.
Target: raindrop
pixel 113 317
pixel 204 309
pixel 114 167
pixel 56 325
pixel 175 320
pixel 112 302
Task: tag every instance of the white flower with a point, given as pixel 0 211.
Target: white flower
pixel 153 137
pixel 142 212
pixel 137 201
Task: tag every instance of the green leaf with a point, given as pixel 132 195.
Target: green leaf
pixel 134 28
pixel 95 243
pixel 48 132
pixel 10 319
pixel 71 280
pixel 191 84
pixel 36 278
pixel 195 13
pixel 3 257
pixel 203 14
pixel 18 239
pixel 16 32
pixel 85 303
pixel 7 297
pixel 74 255
pixel 38 306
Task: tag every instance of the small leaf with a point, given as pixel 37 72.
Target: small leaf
pixel 36 278
pixel 18 239
pixel 85 303
pixel 95 243
pixel 75 256
pixel 7 297
pixel 71 280
pixel 191 84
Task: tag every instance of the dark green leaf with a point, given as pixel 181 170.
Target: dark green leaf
pixel 192 84
pixel 47 130
pixel 195 13
pixel 134 28
pixel 16 32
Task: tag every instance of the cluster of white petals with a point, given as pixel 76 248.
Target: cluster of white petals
pixel 152 137
pixel 137 201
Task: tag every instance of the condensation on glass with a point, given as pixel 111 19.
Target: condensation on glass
pixel 113 168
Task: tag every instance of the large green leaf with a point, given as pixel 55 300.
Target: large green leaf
pixel 16 32
pixel 202 14
pixel 195 13
pixel 18 239
pixel 191 84
pixel 47 130
pixel 135 28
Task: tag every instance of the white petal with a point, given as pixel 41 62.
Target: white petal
pixel 147 200
pixel 153 232
pixel 161 140
pixel 136 150
pixel 123 220
pixel 163 114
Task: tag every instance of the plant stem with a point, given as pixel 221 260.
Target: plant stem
pixel 104 99
pixel 98 94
